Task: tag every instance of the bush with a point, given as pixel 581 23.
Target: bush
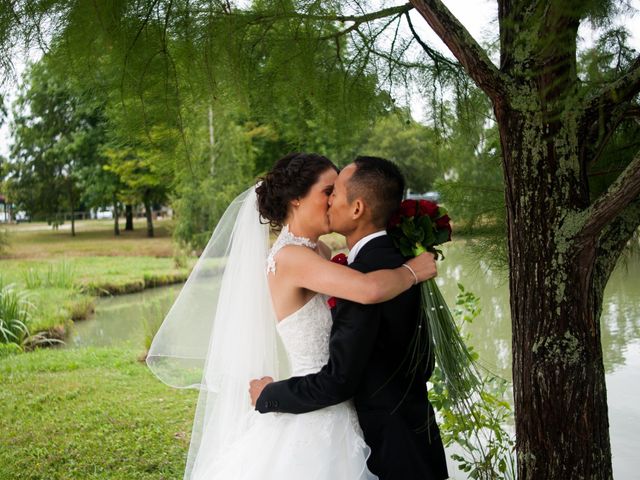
pixel 488 448
pixel 15 317
pixel 15 314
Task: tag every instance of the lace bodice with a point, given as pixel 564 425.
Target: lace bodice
pixel 285 238
pixel 305 335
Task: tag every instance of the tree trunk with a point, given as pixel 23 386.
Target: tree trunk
pixel 73 217
pixel 562 428
pixel 116 217
pixel 148 215
pixel 562 246
pixel 129 218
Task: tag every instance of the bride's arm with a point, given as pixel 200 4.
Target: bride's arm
pixel 307 269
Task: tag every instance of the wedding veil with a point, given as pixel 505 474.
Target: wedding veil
pixel 220 332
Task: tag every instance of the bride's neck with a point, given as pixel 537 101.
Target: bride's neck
pixel 300 231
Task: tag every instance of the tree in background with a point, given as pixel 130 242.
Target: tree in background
pixel 416 148
pixel 141 174
pixel 54 137
pixel 224 111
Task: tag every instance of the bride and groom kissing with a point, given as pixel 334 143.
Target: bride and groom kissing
pixel 354 405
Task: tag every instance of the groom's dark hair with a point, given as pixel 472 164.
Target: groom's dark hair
pixel 381 184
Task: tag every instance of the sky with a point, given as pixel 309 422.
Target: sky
pixel 478 16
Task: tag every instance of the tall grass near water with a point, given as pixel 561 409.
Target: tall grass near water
pixel 15 316
pixel 17 307
pixel 15 312
pixel 60 275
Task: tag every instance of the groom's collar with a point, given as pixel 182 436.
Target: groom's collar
pixel 361 243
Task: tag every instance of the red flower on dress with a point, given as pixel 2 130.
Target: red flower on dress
pixel 332 302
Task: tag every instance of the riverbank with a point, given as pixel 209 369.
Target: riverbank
pixel 90 413
pixel 63 291
pixel 63 275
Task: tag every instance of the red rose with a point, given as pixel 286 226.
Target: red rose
pixel 332 302
pixel 409 208
pixel 428 208
pixel 444 223
pixel 340 258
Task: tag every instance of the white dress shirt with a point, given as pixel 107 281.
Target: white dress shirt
pixel 361 243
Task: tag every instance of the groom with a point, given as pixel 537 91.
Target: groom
pixel 370 345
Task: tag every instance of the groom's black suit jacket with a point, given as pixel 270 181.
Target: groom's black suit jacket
pixel 368 362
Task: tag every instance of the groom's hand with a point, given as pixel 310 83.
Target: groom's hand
pixel 256 387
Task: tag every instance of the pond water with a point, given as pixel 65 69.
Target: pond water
pixel 120 320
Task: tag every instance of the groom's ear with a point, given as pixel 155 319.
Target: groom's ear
pixel 358 208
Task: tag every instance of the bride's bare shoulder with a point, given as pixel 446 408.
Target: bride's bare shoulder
pixel 291 257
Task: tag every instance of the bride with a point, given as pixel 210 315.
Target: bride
pixel 246 311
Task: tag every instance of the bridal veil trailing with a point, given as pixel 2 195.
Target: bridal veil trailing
pixel 220 332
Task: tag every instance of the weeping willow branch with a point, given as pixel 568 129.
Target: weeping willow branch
pixel 434 55
pixel 259 17
pixel 464 47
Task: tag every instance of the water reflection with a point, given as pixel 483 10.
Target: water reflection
pixel 121 320
pixel 491 332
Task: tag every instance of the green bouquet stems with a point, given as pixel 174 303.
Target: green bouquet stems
pixel 456 362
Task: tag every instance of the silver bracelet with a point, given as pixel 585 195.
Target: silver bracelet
pixel 412 273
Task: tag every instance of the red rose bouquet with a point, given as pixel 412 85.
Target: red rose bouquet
pixel 419 226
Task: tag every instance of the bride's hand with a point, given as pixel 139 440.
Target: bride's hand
pixel 424 266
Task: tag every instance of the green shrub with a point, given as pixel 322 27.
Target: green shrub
pixel 481 433
pixel 15 314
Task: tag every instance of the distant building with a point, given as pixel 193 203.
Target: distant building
pixel 5 210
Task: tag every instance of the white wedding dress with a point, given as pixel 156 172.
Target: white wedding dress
pixel 323 445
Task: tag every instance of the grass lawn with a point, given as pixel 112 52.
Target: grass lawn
pixel 93 237
pixel 91 413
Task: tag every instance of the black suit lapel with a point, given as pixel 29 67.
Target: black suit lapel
pixel 383 241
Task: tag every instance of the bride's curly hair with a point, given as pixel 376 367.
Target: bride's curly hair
pixel 291 177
